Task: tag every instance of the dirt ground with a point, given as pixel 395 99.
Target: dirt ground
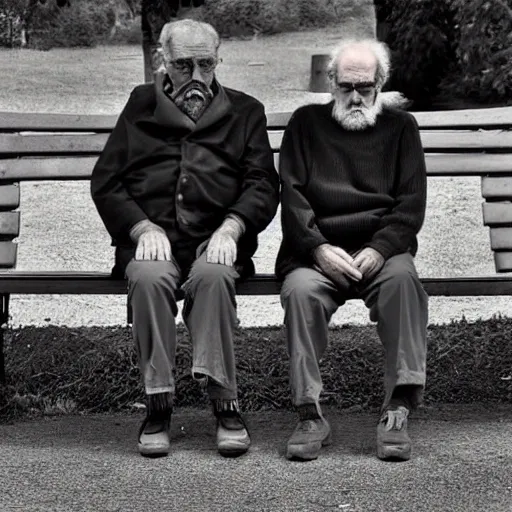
pixel 61 230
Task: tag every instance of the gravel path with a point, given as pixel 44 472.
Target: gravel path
pixel 461 463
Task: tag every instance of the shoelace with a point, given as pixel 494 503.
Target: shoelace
pixel 395 418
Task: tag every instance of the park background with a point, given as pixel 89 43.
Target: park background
pixel 69 354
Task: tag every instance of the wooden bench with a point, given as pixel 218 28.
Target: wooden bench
pixel 38 147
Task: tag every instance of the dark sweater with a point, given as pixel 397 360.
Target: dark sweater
pixel 350 189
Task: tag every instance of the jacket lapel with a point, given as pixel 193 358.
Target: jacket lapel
pixel 166 112
pixel 219 107
pixel 169 115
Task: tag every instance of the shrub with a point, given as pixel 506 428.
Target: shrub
pixel 129 33
pixel 245 17
pixel 421 40
pixel 484 51
pixel 84 23
pixel 317 13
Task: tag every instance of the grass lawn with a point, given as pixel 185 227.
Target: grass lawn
pixel 56 370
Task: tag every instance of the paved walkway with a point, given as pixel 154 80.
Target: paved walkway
pixel 462 462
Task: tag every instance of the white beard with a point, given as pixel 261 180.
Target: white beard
pixel 356 118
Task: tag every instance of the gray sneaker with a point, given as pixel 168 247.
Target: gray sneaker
pixel 393 441
pixel 308 438
pixel 154 436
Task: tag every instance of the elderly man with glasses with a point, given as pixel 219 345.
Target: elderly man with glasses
pixel 352 202
pixel 184 185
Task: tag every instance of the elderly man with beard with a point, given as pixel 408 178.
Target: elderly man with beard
pixel 353 200
pixel 184 185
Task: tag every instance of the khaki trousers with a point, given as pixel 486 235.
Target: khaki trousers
pixel 397 302
pixel 209 312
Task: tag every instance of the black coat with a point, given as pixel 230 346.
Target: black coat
pixel 159 165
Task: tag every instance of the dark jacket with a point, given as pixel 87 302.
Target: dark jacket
pixel 352 189
pixel 185 177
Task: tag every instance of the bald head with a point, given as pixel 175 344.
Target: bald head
pixel 357 64
pixel 188 39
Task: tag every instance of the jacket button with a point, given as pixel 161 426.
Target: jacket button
pixel 180 197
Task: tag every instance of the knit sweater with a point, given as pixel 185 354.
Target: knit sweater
pixel 352 189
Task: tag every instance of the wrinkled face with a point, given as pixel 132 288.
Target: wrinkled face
pixel 356 104
pixel 190 63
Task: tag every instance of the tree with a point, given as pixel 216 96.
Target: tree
pixel 154 15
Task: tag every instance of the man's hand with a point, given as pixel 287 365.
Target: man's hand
pixel 336 264
pixel 369 262
pixel 152 242
pixel 222 247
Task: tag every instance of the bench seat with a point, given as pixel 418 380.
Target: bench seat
pixel 101 283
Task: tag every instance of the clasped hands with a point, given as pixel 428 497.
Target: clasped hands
pixel 342 268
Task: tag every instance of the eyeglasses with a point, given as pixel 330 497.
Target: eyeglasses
pixel 363 88
pixel 207 65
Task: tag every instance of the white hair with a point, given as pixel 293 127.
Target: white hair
pixel 379 49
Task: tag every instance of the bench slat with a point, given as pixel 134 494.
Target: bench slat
pixel 50 168
pixel 501 239
pixel 462 164
pixel 503 261
pixel 495 188
pixel 8 252
pixel 9 225
pixel 15 121
pixel 15 144
pixel 263 284
pixel 462 119
pixel 448 141
pixel 9 197
pixel 497 214
pixel 80 168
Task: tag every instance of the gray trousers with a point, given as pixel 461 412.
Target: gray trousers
pixel 209 312
pixel 397 302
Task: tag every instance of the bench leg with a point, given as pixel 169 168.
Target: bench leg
pixel 129 312
pixel 4 318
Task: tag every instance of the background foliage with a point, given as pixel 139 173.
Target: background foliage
pixel 448 48
pixel 459 48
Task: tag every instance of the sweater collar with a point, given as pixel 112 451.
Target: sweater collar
pixel 167 114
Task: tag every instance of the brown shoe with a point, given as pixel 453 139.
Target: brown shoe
pixel 233 438
pixel 311 433
pixel 393 441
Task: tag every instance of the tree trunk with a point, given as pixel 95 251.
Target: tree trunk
pixel 154 15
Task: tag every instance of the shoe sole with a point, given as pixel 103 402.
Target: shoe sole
pixel 154 451
pixel 398 452
pixel 233 450
pixel 308 451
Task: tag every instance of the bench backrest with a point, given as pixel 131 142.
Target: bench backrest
pixel 39 147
